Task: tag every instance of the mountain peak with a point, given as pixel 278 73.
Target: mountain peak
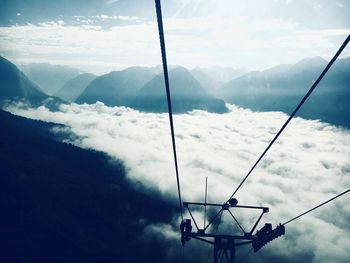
pixel 115 87
pixel 311 62
pixel 6 64
pixel 187 94
pixel 74 87
pixel 180 70
pixel 50 77
pixel 16 86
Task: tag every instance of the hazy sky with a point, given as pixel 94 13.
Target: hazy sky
pixel 102 35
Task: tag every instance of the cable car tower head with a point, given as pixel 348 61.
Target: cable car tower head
pixel 225 244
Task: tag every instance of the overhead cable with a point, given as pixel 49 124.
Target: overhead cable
pixel 312 209
pixel 314 85
pixel 167 87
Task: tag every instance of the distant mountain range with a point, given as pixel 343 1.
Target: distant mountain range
pixel 74 87
pixel 49 77
pixel 140 88
pixel 276 89
pixel 186 94
pixel 61 203
pixel 137 87
pixel 282 78
pixel 212 78
pixel 282 87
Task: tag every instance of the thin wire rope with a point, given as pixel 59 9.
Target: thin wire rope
pixel 205 200
pixel 208 255
pixel 295 111
pixel 310 210
pixel 218 224
pixel 183 255
pixel 246 256
pixel 166 79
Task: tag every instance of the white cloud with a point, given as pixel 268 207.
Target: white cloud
pixel 87 44
pixel 112 1
pixel 340 5
pixel 308 164
pixel 204 41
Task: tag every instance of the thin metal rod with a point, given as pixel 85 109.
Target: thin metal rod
pixel 212 220
pixel 205 199
pixel 246 256
pixel 227 257
pixel 183 254
pixel 236 221
pixel 202 239
pixel 237 206
pixel 198 203
pixel 243 243
pixel 221 255
pixel 308 211
pixel 205 235
pixel 257 222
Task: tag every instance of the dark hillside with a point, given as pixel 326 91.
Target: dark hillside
pixel 61 203
pixel 14 85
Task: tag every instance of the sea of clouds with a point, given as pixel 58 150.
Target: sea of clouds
pixel 307 165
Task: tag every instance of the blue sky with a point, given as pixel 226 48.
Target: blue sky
pixel 103 35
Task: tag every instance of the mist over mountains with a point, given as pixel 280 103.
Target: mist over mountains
pixel 213 78
pixel 76 198
pixel 49 77
pixel 15 85
pixel 276 89
pixel 73 88
pixel 309 162
pixel 281 88
pixel 87 157
pixel 143 89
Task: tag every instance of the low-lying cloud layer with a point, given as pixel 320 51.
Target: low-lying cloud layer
pixel 308 164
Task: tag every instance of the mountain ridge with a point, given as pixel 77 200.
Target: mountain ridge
pixel 281 89
pixel 48 76
pixel 15 85
pixel 111 89
pixel 62 203
pixel 73 88
pixel 186 94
